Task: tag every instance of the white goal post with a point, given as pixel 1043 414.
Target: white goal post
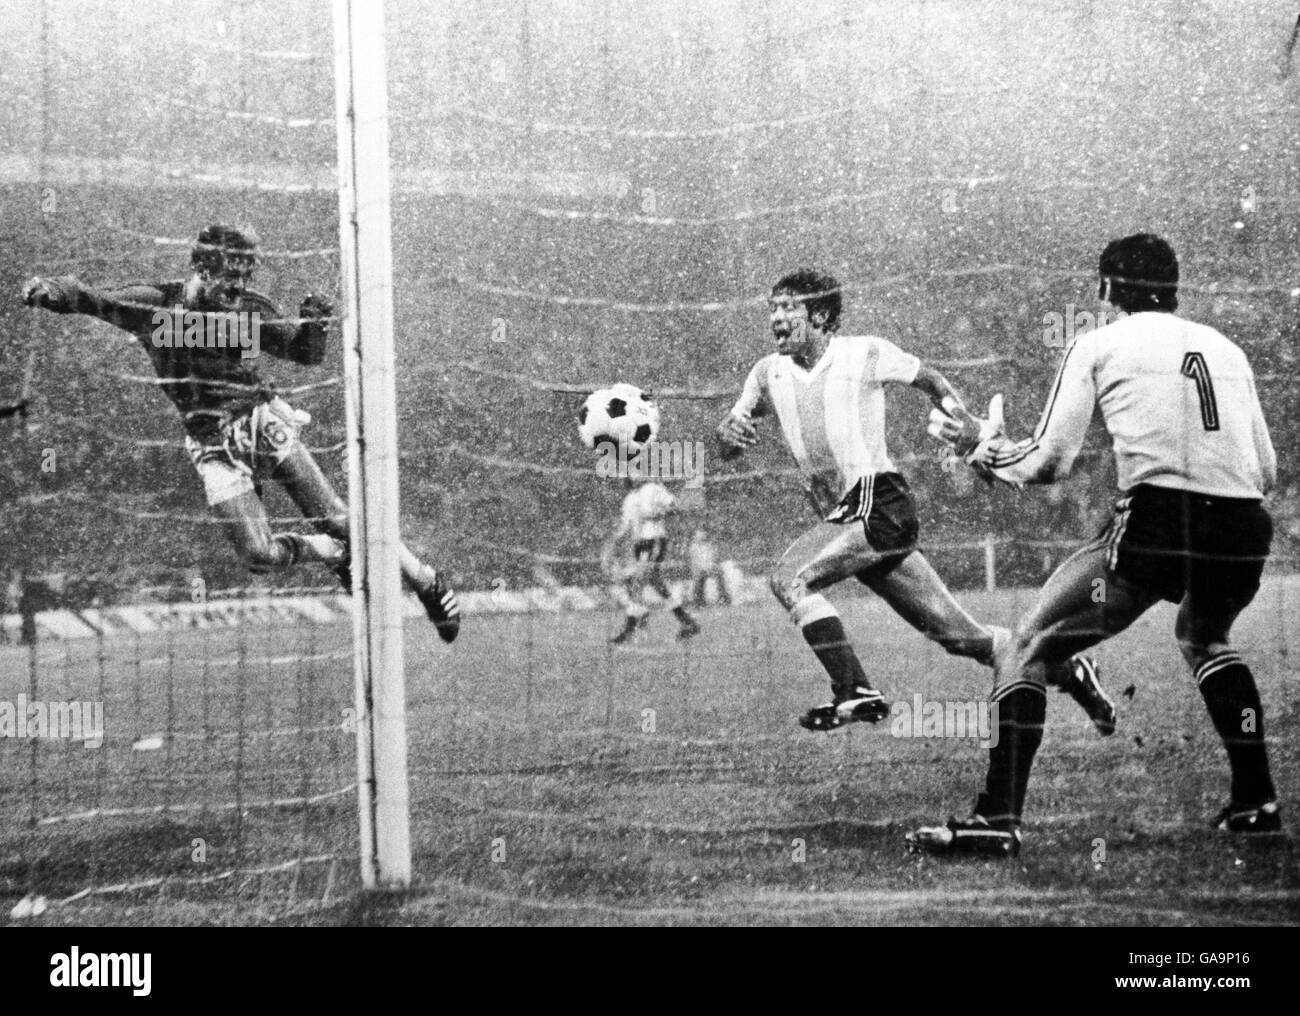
pixel 365 235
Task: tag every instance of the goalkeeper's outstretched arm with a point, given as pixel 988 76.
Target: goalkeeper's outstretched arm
pixel 1049 455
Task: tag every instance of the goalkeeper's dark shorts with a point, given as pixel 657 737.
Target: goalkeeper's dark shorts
pixel 1176 543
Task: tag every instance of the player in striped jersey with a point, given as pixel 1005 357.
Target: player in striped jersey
pixel 238 431
pixel 631 558
pixel 1194 460
pixel 826 392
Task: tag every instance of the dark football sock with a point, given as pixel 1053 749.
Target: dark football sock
pixel 1228 688
pixel 683 615
pixel 831 645
pixel 1022 709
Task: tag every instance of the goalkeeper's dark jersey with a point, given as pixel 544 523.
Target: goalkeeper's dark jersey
pixel 209 385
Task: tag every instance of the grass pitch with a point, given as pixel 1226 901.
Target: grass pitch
pixel 555 780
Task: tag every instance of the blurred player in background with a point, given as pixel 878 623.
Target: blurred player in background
pixel 238 432
pixel 702 557
pixel 826 392
pixel 1194 461
pixel 632 556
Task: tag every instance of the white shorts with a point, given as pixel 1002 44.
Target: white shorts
pixel 251 445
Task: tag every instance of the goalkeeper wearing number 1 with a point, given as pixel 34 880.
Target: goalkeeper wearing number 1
pixel 204 335
pixel 1194 460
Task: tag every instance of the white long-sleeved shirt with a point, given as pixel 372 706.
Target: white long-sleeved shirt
pixel 1178 399
pixel 832 416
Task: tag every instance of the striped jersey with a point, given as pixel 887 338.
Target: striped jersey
pixel 1178 399
pixel 646 510
pixel 832 416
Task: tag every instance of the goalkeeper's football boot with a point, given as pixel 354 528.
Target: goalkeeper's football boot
pixel 439 602
pixel 975 836
pixel 688 630
pixel 1252 820
pixel 861 705
pixel 1084 686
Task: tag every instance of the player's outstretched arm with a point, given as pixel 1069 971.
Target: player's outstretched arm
pixel 950 420
pixel 938 389
pixel 1049 455
pixel 56 294
pixel 302 340
pixel 131 307
pixel 960 427
pixel 308 345
pixel 736 433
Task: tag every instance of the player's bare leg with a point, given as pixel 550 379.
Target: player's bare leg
pixel 627 594
pixel 1079 606
pixel 1232 699
pixel 917 594
pixel 315 497
pixel 819 558
pixel 243 517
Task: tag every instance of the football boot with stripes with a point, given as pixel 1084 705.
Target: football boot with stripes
pixel 439 602
pixel 1084 686
pixel 1253 820
pixel 862 705
pixel 973 836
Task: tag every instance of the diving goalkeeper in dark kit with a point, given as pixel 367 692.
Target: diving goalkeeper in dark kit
pixel 204 335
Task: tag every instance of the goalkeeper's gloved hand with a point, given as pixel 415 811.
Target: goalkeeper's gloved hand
pixel 966 433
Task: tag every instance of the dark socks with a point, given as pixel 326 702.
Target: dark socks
pixel 1228 688
pixel 828 641
pixel 1022 709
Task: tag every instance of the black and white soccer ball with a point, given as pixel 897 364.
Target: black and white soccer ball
pixel 620 415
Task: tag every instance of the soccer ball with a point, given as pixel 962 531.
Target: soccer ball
pixel 621 415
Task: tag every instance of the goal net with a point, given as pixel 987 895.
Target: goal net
pixel 580 197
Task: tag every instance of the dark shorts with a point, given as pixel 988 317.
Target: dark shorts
pixel 650 551
pixel 1175 543
pixel 883 503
